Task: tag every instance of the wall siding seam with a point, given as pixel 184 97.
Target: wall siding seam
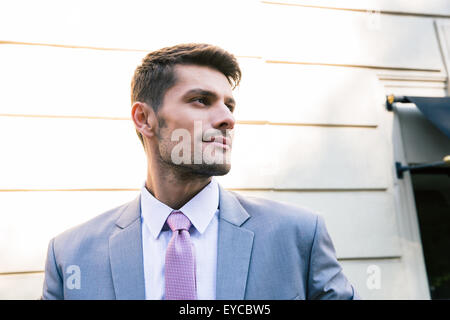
pixel 20 273
pixel 351 66
pixel 230 189
pixel 313 63
pixel 241 122
pixel 69 46
pixel 388 12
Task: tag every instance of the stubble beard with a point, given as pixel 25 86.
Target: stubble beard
pixel 185 171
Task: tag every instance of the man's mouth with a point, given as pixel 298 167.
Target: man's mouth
pixel 220 141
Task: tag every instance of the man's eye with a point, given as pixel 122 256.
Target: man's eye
pixel 200 100
pixel 230 107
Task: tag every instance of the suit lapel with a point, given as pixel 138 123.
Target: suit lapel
pixel 125 251
pixel 234 248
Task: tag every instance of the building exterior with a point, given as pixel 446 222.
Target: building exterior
pixel 313 128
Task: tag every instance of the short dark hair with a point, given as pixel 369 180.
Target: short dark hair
pixel 155 75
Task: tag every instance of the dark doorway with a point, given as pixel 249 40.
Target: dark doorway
pixel 432 197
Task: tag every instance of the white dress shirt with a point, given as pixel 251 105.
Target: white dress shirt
pixel 203 212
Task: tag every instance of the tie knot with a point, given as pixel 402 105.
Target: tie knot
pixel 178 221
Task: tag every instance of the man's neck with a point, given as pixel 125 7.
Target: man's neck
pixel 173 191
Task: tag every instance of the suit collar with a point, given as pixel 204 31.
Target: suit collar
pixel 125 254
pixel 129 213
pixel 234 248
pixel 200 209
pixel 230 208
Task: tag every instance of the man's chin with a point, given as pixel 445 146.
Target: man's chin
pixel 207 170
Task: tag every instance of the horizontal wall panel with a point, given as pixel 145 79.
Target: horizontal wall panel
pixel 252 95
pixel 50 153
pixel 31 219
pixel 92 153
pixel 330 158
pixel 42 80
pixel 66 81
pixel 435 7
pixel 308 157
pixel 366 216
pixel 134 24
pixel 380 279
pixel 321 94
pixel 55 153
pixel 21 286
pixel 301 34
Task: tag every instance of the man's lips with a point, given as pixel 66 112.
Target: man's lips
pixel 221 140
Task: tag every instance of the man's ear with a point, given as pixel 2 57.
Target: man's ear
pixel 144 118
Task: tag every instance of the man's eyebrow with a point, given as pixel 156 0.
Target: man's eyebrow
pixel 207 93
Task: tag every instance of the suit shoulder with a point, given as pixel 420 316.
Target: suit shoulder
pixel 277 211
pixel 98 227
pixel 280 224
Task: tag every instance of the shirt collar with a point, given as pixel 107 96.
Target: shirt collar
pixel 200 209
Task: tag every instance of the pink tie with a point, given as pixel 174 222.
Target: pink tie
pixel 180 260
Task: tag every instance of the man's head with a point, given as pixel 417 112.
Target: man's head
pixel 182 96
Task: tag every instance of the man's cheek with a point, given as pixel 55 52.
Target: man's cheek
pixel 181 146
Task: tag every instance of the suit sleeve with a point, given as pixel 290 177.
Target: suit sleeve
pixel 326 279
pixel 53 283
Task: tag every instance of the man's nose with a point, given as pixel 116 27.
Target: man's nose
pixel 223 118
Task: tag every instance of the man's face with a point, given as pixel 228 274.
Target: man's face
pixel 195 122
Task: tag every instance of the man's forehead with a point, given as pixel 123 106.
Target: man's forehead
pixel 207 78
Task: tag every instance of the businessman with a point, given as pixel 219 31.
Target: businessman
pixel 184 236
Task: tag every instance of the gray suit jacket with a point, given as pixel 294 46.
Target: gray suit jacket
pixel 266 250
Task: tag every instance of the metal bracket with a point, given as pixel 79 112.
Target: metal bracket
pixel 391 99
pixel 399 168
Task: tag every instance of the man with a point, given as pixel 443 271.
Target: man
pixel 184 236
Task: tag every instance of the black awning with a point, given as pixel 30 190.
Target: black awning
pixel 436 110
